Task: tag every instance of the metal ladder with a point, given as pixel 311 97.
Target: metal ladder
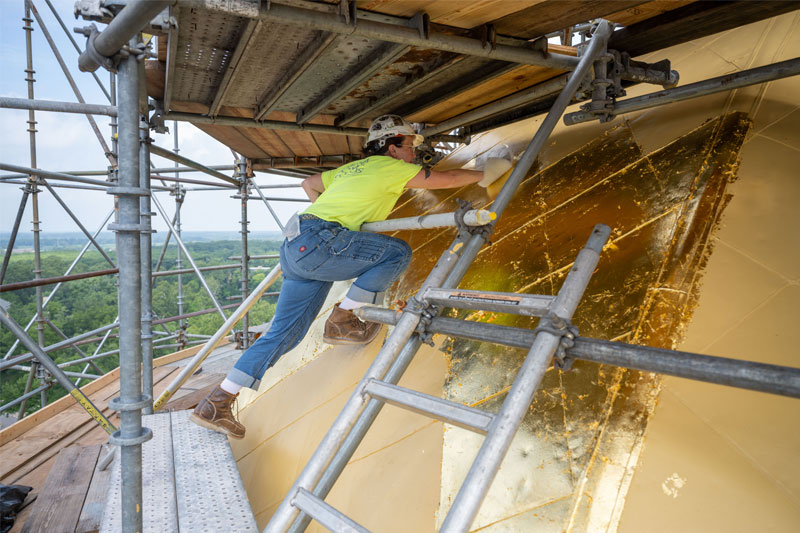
pixel 378 386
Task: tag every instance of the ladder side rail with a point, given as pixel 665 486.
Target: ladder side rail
pixel 487 463
pixel 286 512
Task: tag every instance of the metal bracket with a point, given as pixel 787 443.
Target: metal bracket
pixel 91 34
pixel 157 122
pixel 426 156
pixel 560 327
pixel 489 36
pixel 118 440
pixel 541 45
pixel 464 231
pixel 238 337
pixel 426 316
pixel 128 191
pixel 422 22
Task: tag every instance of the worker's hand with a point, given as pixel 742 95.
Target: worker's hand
pixel 493 169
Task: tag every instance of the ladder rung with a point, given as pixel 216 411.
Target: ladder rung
pixel 323 513
pixel 451 412
pixel 518 304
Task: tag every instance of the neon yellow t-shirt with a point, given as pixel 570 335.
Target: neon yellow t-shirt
pixel 362 191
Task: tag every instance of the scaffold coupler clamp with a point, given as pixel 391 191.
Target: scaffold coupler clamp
pixel 91 32
pixel 464 230
pixel 560 327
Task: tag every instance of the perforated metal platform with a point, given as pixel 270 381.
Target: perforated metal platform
pixel 190 481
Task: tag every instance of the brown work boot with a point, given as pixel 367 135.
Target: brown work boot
pixel 343 327
pixel 214 412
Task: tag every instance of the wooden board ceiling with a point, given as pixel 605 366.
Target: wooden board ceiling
pixel 224 65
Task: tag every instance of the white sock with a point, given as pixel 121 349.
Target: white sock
pixel 230 387
pixel 348 305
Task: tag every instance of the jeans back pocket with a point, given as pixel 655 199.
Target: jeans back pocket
pixel 310 250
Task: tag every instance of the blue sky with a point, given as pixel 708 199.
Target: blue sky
pixel 66 141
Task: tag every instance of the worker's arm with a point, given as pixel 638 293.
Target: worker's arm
pixel 313 186
pixel 447 179
pixel 493 169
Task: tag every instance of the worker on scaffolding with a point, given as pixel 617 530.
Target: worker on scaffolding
pixel 323 244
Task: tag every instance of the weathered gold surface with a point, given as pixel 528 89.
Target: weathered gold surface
pixel 570 464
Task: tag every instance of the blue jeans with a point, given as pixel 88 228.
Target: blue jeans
pixel 324 252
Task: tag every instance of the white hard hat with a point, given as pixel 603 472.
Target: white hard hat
pixel 388 126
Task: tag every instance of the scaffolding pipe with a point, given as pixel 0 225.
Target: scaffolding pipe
pixel 773 379
pixel 217 338
pixel 526 96
pixel 728 82
pixel 245 271
pixel 51 281
pixel 201 269
pixel 130 401
pixel 54 370
pixel 57 106
pixel 172 156
pixel 263 124
pixel 57 186
pixel 272 198
pixel 474 217
pixel 188 256
pixel 125 25
pixel 217 186
pixel 146 261
pixel 33 187
pixel 51 175
pixel 194 313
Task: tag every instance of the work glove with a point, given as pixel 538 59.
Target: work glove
pixel 493 169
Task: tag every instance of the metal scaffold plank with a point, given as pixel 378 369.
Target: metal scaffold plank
pixel 158 484
pixel 210 493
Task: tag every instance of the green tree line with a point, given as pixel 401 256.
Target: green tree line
pixel 84 305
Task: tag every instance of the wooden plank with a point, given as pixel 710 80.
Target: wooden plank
pixel 58 506
pixel 177 356
pixel 635 14
pixel 194 392
pixel 94 504
pixel 267 140
pixel 691 22
pixel 28 451
pixel 459 14
pixel 18 428
pixel 227 135
pixel 554 15
pixel 518 79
